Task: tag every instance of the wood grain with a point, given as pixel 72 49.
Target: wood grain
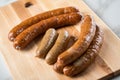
pixel 24 66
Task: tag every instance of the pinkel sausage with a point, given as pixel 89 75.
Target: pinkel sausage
pixel 59 47
pixel 23 39
pixel 89 56
pixel 35 19
pixel 46 43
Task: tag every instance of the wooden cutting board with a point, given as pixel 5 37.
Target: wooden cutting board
pixel 24 66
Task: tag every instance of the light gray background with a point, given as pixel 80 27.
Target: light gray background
pixel 107 10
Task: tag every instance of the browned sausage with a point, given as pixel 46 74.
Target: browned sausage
pixel 84 61
pixel 35 19
pixel 58 67
pixel 23 39
pixel 58 47
pixel 86 36
pixel 46 43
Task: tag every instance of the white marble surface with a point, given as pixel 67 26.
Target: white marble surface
pixel 5 2
pixel 107 10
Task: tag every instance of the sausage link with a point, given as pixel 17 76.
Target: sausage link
pixel 86 36
pixel 35 19
pixel 58 67
pixel 23 39
pixel 58 47
pixel 84 61
pixel 47 42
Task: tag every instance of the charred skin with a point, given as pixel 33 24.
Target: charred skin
pixel 89 56
pixel 58 47
pixel 47 42
pixel 23 39
pixel 79 47
pixel 35 19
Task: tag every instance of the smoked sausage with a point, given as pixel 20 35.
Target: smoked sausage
pixel 86 36
pixel 35 19
pixel 23 39
pixel 89 56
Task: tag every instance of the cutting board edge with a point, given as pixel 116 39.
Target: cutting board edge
pixel 97 16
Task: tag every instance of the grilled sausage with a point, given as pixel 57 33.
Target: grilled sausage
pixel 84 61
pixel 87 33
pixel 35 19
pixel 23 39
pixel 47 42
pixel 59 47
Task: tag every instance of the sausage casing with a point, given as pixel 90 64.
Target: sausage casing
pixel 58 47
pixel 86 36
pixel 46 43
pixel 35 19
pixel 23 39
pixel 84 61
pixel 58 67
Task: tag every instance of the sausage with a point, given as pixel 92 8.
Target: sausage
pixel 86 36
pixel 23 39
pixel 89 56
pixel 59 47
pixel 58 67
pixel 47 42
pixel 35 19
pixel 87 33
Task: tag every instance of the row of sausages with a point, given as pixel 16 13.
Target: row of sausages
pixel 52 44
pixel 26 31
pixel 69 61
pixel 76 58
